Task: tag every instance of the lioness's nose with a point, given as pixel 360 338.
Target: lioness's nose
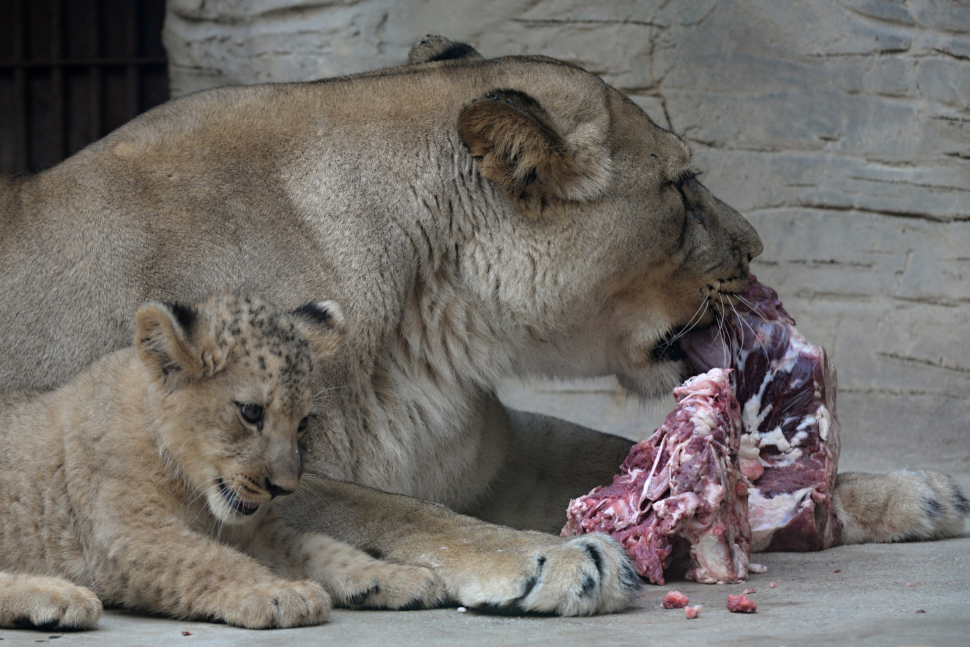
pixel 275 490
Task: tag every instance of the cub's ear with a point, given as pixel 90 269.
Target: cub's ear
pixel 518 147
pixel 438 48
pixel 323 324
pixel 173 342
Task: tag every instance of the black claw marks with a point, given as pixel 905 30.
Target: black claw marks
pixel 595 555
pixel 527 587
pixel 630 579
pixel 960 502
pixel 531 582
pixel 933 508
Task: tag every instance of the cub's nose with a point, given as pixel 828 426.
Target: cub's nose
pixel 275 490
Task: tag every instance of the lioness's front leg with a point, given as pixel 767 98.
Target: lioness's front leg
pixel 549 462
pixel 480 564
pixel 350 576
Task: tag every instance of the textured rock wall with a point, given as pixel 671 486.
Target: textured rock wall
pixel 841 128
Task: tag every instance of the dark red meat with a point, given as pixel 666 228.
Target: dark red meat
pixel 680 488
pixel 790 438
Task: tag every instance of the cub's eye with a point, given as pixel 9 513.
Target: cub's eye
pixel 252 413
pixel 303 425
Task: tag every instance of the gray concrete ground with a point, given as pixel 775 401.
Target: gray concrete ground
pixel 853 595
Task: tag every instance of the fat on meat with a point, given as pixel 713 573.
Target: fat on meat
pixel 790 438
pixel 679 492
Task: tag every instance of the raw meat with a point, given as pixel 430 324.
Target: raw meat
pixel 790 439
pixel 692 612
pixel 679 489
pixel 674 600
pixel 741 604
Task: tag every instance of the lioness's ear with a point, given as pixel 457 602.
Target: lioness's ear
pixel 171 340
pixel 518 147
pixel 322 323
pixel 438 48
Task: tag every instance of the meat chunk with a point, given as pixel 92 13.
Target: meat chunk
pixel 741 604
pixel 674 600
pixel 679 490
pixel 790 438
pixel 692 612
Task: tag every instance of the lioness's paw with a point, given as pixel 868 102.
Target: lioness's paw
pixel 48 602
pixel 291 604
pixel 571 577
pixel 905 505
pixel 389 586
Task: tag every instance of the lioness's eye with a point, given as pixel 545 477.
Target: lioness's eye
pixel 303 425
pixel 252 413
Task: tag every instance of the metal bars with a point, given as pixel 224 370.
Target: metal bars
pixel 71 71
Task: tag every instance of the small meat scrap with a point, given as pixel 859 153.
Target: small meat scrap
pixel 741 604
pixel 679 492
pixel 675 600
pixel 692 612
pixel 790 438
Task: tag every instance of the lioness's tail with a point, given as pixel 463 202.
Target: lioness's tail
pixel 900 506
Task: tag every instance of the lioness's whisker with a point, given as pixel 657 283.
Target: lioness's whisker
pixel 701 310
pixel 757 339
pixel 754 307
pixel 722 330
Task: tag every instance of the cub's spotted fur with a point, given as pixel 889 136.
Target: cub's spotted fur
pixel 147 481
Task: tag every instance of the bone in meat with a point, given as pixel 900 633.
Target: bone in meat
pixel 679 489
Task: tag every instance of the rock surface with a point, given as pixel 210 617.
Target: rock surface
pixel 841 129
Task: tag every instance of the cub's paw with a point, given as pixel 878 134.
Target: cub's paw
pixel 906 505
pixel 382 585
pixel 536 573
pixel 289 604
pixel 48 602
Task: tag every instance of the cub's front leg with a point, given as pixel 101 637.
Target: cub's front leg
pixel 174 571
pixel 480 564
pixel 352 577
pixel 41 601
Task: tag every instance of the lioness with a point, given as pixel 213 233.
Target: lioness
pixel 149 480
pixel 480 219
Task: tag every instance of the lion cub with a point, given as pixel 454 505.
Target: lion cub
pixel 148 480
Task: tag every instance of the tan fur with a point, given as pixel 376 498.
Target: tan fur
pixel 479 218
pixel 129 484
pixel 906 505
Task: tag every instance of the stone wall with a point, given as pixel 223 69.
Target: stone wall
pixel 841 128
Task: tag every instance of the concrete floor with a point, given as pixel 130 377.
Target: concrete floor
pixel 853 595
